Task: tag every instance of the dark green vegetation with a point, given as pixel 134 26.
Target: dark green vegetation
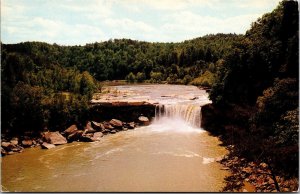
pixel 49 86
pixel 256 91
pixel 254 80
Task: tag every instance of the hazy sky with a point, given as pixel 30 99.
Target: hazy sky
pixel 71 22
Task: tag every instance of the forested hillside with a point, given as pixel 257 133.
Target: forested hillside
pixel 49 86
pixel 259 83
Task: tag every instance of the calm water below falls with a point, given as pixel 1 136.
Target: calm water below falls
pixel 171 154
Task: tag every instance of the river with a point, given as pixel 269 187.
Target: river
pixel 171 154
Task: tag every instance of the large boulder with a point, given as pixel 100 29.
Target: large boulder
pixel 97 126
pixel 88 137
pixel 144 120
pixel 76 135
pixel 27 143
pixel 89 128
pixel 116 123
pixel 55 138
pixel 131 125
pixel 107 126
pixel 7 146
pixel 14 141
pixel 70 130
pixel 46 145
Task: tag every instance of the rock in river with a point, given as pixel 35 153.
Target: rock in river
pixel 97 136
pixel 70 130
pixel 116 123
pixel 144 120
pixel 27 143
pixel 46 145
pixel 55 138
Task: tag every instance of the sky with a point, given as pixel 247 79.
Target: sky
pixel 78 22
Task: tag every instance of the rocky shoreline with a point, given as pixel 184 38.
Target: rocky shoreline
pixel 93 131
pixel 250 176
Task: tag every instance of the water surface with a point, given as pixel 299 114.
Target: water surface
pixel 171 154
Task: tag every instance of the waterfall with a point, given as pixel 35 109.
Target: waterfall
pixel 190 113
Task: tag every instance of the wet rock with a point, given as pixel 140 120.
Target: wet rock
pixel 46 145
pixel 87 137
pixel 144 120
pixel 70 130
pixel 97 126
pixel 3 152
pixel 97 136
pixel 131 125
pixel 116 123
pixel 76 135
pixel 107 125
pixel 10 153
pixel 27 143
pixel 5 144
pixel 113 131
pixel 55 138
pixel 14 141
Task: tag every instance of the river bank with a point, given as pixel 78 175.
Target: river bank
pixel 93 131
pixel 248 172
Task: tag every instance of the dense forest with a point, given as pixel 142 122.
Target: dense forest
pixel 258 84
pixel 49 86
pixel 63 78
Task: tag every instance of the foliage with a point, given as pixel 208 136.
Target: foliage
pixel 206 79
pixel 262 71
pixel 130 77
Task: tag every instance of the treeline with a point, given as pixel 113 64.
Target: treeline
pixel 121 58
pixel 262 74
pixel 49 86
pixel 41 97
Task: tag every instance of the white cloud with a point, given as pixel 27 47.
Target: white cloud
pixel 81 21
pixel 190 25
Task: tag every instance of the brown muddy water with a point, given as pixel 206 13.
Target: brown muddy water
pixel 171 154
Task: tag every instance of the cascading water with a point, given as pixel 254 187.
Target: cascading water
pixel 189 113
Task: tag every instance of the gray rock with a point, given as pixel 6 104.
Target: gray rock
pixel 46 145
pixel 55 138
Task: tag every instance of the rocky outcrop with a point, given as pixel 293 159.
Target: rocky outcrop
pixel 249 176
pixel 93 131
pixel 54 138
